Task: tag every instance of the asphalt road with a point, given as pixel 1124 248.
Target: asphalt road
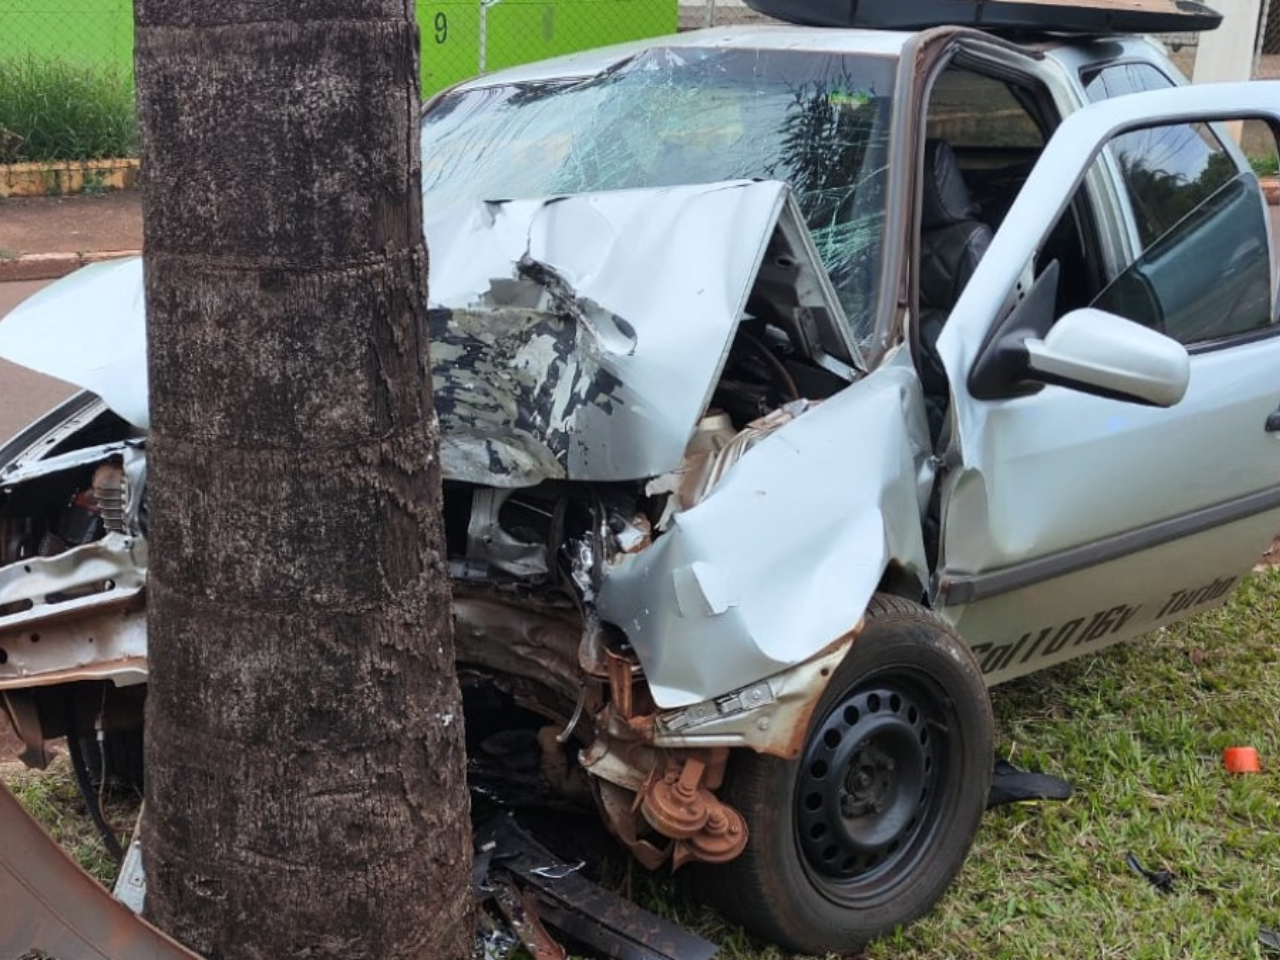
pixel 23 395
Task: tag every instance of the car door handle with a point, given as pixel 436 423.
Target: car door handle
pixel 1273 422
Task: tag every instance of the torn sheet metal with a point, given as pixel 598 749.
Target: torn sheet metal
pixel 89 329
pixel 580 337
pixel 783 555
pixel 49 907
pixel 34 442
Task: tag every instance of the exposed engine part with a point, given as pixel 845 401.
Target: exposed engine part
pixel 567 732
pixel 676 806
pixel 110 495
pixel 685 486
pixel 679 806
pixel 715 448
pixel 582 567
pixel 624 669
pixel 722 839
pixel 631 535
pixel 662 805
pixel 519 552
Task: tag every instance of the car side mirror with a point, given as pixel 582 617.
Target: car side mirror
pixel 1100 353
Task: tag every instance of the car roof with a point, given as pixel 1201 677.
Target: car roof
pixel 1074 52
pixel 885 43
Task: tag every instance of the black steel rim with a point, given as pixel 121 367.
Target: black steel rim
pixel 869 789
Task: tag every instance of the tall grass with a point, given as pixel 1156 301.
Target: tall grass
pixel 51 109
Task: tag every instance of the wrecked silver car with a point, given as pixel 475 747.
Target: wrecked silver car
pixel 795 385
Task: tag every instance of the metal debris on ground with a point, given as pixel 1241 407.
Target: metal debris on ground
pixel 532 887
pixel 52 908
pixel 1162 880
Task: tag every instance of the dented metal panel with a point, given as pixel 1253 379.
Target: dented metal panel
pixel 572 338
pixel 580 337
pixel 89 329
pixel 782 556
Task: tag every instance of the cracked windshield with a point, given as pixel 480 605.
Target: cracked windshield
pixel 818 122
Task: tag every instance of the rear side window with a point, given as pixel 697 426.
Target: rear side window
pixel 1122 78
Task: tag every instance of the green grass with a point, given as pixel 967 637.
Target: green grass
pixel 1139 731
pixel 53 798
pixel 58 110
pixel 1265 166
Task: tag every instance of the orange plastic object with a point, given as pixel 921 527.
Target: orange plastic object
pixel 1240 759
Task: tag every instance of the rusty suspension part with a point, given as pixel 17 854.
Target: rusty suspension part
pixel 647 790
pixel 679 806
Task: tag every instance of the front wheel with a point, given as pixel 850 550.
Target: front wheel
pixel 866 830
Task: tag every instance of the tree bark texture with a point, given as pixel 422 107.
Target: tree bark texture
pixel 306 788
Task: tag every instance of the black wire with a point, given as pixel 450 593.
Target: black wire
pixel 90 797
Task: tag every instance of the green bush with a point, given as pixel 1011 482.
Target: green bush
pixel 1265 166
pixel 51 109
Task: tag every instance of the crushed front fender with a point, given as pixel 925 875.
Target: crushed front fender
pixel 781 558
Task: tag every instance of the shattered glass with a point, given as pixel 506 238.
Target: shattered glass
pixel 819 122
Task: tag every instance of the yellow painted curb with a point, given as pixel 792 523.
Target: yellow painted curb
pixel 69 176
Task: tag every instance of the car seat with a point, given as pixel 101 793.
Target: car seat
pixel 952 241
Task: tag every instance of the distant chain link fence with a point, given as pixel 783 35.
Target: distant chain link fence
pixel 460 38
pixel 86 32
pixel 463 38
pixel 1268 65
pixel 1182 46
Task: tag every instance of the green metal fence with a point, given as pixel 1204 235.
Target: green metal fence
pixel 460 38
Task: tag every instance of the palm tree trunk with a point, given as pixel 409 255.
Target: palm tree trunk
pixel 305 757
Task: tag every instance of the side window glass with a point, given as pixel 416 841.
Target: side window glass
pixel 1122 78
pixel 970 110
pixel 1204 273
pixel 1169 171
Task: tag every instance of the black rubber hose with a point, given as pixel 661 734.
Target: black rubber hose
pixel 91 797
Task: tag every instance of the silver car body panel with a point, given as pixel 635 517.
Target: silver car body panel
pixel 756 578
pixel 581 337
pixel 89 329
pixel 1152 510
pixel 78 614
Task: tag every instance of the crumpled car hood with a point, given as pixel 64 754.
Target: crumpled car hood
pixel 89 329
pixel 572 338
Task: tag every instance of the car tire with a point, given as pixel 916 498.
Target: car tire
pixel 124 766
pixel 836 861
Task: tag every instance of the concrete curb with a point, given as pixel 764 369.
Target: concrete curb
pixel 65 177
pixel 51 266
